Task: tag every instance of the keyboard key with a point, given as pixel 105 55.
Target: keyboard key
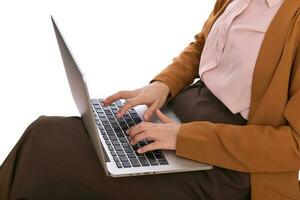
pixel 162 161
pixel 131 155
pixel 134 115
pixel 94 101
pixel 142 143
pixel 118 148
pixel 115 142
pixel 128 150
pixel 123 140
pixel 121 153
pixel 107 142
pixel 157 151
pixel 130 123
pixel 132 111
pixel 113 121
pixel 137 120
pixel 119 165
pixel 119 103
pixel 105 123
pixel 121 120
pixel 115 111
pixel 159 156
pixel 123 158
pixel 103 132
pixel 110 147
pixel 116 159
pixel 120 135
pixel 122 123
pixel 106 109
pixel 100 127
pixel 125 144
pixel 107 127
pixel 135 147
pixel 110 116
pixel 113 107
pixel 139 154
pixel 110 132
pixel 118 130
pixel 97 106
pixel 108 112
pixel 103 119
pixel 135 162
pixel 113 137
pixel 115 125
pixel 101 115
pixel 126 117
pixel 105 137
pixel 151 158
pixel 113 153
pixel 143 161
pixel 124 129
pixel 126 164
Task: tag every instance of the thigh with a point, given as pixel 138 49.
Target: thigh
pixel 57 161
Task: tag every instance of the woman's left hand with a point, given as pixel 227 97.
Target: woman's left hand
pixel 164 135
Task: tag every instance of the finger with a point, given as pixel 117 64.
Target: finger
pixel 148 113
pixel 141 136
pixel 129 104
pixel 149 147
pixel 124 94
pixel 138 128
pixel 162 117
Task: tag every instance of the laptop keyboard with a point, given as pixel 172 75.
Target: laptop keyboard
pixel 113 130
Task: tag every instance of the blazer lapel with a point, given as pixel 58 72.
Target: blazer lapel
pixel 270 52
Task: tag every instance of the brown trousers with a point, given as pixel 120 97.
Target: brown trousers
pixel 54 159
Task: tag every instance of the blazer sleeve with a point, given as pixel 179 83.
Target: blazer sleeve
pixel 184 68
pixel 248 148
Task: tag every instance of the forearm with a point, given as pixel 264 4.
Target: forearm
pixel 249 148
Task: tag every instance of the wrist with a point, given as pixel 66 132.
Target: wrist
pixel 163 85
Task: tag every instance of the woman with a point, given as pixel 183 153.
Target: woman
pixel 242 116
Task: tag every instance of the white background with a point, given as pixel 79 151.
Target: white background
pixel 118 45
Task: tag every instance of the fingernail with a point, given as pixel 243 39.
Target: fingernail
pixel 131 142
pixel 146 116
pixel 139 151
pixel 127 132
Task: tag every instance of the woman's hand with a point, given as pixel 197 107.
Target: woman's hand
pixel 153 95
pixel 164 135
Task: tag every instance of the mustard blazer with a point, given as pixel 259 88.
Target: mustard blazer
pixel 268 146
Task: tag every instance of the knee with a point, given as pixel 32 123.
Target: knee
pixel 47 127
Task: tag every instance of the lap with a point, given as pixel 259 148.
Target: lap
pixel 55 159
pixel 60 157
pixel 59 160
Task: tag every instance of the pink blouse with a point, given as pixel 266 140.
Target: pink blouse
pixel 230 51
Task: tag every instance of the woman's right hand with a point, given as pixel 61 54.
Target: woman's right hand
pixel 153 95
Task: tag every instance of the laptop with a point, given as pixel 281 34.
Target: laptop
pixel 107 132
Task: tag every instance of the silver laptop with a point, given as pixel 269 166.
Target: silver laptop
pixel 107 132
